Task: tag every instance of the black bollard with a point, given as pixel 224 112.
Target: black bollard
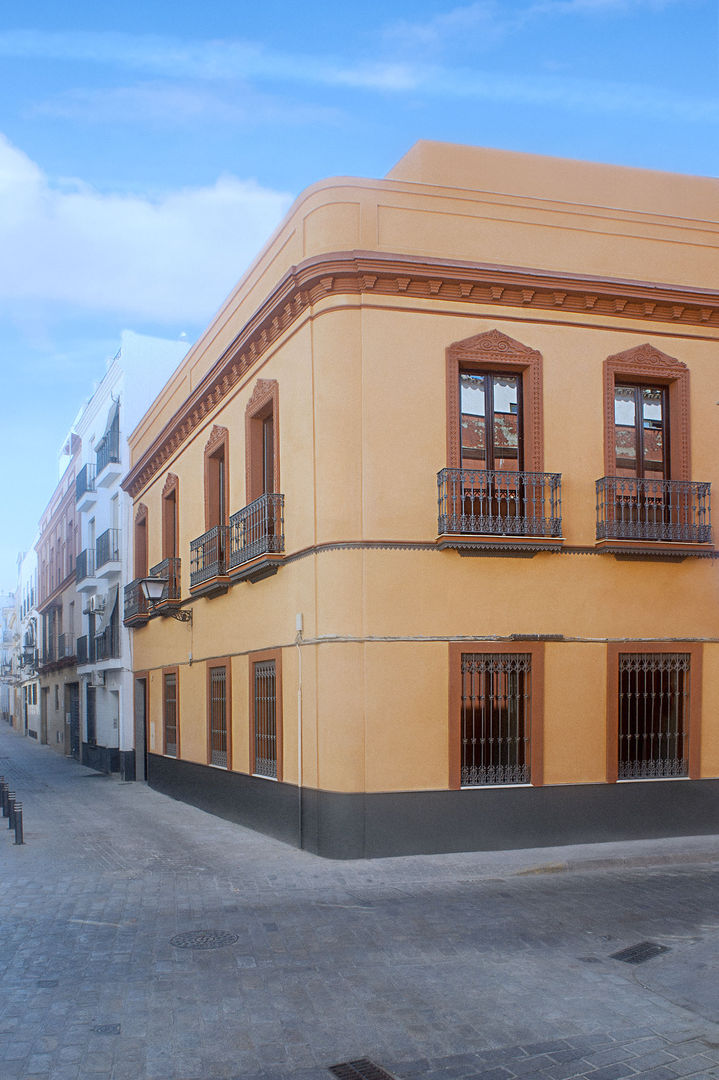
pixel 11 809
pixel 3 797
pixel 18 824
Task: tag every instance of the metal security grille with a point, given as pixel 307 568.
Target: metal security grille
pixel 496 714
pixel 265 719
pixel 170 714
pixel 653 714
pixel 218 717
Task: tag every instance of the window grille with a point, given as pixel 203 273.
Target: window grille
pixel 653 715
pixel 265 719
pixel 170 714
pixel 218 716
pixel 496 718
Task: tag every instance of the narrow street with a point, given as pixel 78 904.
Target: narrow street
pixel 484 964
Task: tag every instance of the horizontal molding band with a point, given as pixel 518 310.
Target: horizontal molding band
pixel 377 273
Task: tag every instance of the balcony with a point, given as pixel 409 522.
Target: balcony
pixel 28 657
pixel 520 512
pixel 85 579
pixel 208 568
pixel 83 650
pixel 65 647
pixel 136 612
pixel 85 491
pixel 109 468
pixel 107 553
pixel 257 538
pixel 48 655
pixel 651 512
pixel 107 644
pixel 171 594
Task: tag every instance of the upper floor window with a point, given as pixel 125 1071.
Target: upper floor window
pixel 262 440
pixel 169 517
pixel 491 420
pixel 141 541
pixel 641 430
pixel 217 477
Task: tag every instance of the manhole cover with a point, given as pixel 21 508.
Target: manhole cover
pixel 107 1029
pixel 203 939
pixel 637 954
pixel 362 1069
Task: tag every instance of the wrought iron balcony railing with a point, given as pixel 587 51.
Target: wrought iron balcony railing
pixel 84 481
pixel 170 569
pixel 48 653
pixel 495 503
pixel 85 565
pixel 135 601
pixel 677 511
pixel 28 656
pixel 208 554
pixel 108 449
pixel 258 529
pixel 107 547
pixel 65 646
pixel 107 644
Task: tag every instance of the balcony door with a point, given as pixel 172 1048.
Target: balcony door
pixel 641 432
pixel 491 444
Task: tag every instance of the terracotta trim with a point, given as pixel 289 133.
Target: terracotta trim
pixel 696 651
pixel 176 672
pixel 226 663
pixel 365 272
pixel 536 743
pixel 171 488
pixel 645 362
pixel 218 442
pixel 258 658
pixel 495 351
pixel 265 399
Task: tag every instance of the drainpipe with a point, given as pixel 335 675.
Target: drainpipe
pixel 298 643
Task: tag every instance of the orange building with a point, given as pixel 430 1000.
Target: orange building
pixel 430 503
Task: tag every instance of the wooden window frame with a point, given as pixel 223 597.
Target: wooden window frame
pixel 265 399
pixel 141 522
pixel 647 364
pixel 695 650
pixel 536 741
pixel 259 658
pixel 170 508
pixel 226 663
pixel 218 444
pixel 176 672
pixel 495 352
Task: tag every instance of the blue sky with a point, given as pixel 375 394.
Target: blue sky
pixel 148 149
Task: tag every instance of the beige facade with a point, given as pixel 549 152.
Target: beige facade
pixel 438 480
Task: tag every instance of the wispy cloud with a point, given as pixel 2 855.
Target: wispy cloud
pixel 167 259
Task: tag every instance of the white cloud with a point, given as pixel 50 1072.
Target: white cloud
pixel 167 258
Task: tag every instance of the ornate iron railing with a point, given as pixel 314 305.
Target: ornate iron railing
pixel 170 569
pixel 135 602
pixel 208 554
pixel 107 547
pixel 673 510
pixel 107 643
pixel 654 693
pixel 84 565
pixel 82 650
pixel 496 718
pixel 108 449
pixel 28 656
pixel 257 529
pixel 84 481
pixel 497 503
pixel 65 643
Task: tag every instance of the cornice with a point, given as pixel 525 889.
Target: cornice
pixel 357 273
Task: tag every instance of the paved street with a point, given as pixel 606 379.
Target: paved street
pixel 495 965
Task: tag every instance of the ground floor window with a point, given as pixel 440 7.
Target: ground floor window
pixel 654 699
pixel 265 719
pixel 496 705
pixel 218 716
pixel 169 712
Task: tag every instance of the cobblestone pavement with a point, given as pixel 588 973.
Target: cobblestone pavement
pixel 495 965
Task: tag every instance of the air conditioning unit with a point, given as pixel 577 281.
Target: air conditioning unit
pixel 97 678
pixel 96 605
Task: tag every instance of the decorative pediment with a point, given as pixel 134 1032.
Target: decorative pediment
pixel 263 392
pixel 647 360
pixel 493 346
pixel 140 513
pixel 217 437
pixel 171 484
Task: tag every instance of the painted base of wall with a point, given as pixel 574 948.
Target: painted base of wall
pixel 127 764
pixel 103 758
pixel 340 826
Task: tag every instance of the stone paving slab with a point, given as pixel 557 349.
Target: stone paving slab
pixel 475 964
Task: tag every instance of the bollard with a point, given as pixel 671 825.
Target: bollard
pixel 11 809
pixel 3 797
pixel 18 824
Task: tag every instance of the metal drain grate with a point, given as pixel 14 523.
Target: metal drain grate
pixel 637 954
pixel 203 939
pixel 107 1029
pixel 362 1069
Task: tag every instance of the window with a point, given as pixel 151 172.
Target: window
pixel 653 710
pixel 496 714
pixel 170 712
pixel 169 517
pixel 262 450
pixel 141 541
pixel 219 713
pixel 640 432
pixel 491 420
pixel 266 713
pixel 216 477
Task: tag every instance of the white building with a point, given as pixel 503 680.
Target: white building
pixel 8 673
pixel 29 625
pixel 105 560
